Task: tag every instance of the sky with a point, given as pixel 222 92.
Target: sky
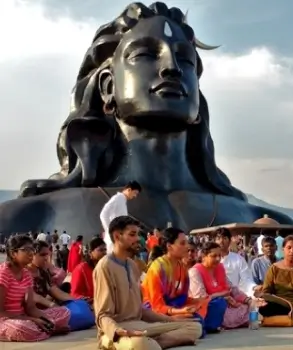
pixel 248 83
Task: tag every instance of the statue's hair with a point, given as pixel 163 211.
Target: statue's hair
pixel 110 35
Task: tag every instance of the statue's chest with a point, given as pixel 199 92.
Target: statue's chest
pixel 156 166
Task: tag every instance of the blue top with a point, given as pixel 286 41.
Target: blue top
pixel 259 268
pixel 279 253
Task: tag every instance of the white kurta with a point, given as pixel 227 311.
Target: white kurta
pixel 116 206
pixel 238 272
pixel 259 245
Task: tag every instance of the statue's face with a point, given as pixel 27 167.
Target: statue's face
pixel 155 78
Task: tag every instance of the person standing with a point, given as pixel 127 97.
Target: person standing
pixel 153 239
pixel 65 239
pixel 75 254
pixel 259 243
pixel 117 206
pixel 42 236
pixel 279 242
pixel 64 253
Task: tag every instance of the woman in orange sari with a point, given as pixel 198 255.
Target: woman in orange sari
pixel 75 254
pixel 166 284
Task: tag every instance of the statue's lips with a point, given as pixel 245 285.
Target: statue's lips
pixel 169 89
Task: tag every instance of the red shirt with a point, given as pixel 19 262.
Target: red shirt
pixel 82 281
pixel 15 291
pixel 152 241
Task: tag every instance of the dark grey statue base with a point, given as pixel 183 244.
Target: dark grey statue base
pixel 77 211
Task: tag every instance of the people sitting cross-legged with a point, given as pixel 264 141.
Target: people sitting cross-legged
pixel 208 279
pixel 122 322
pixel 20 319
pixel 43 284
pixel 47 294
pixel 165 286
pixel 278 289
pixel 82 275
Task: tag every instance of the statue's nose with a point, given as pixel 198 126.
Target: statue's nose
pixel 171 72
pixel 170 67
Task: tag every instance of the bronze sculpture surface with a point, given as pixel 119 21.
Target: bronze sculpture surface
pixel 137 113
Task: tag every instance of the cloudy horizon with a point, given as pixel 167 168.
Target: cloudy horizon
pixel 248 84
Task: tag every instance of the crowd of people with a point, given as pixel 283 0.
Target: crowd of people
pixel 162 292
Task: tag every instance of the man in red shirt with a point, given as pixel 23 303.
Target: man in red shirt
pixel 153 239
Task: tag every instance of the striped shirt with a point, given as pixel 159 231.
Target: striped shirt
pixel 15 291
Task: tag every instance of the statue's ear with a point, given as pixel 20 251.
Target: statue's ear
pixel 106 85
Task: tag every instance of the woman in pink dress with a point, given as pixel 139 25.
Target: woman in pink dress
pixel 209 279
pixel 20 319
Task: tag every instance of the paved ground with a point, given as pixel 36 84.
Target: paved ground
pixel 245 339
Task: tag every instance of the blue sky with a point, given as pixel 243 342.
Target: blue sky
pixel 238 24
pixel 248 83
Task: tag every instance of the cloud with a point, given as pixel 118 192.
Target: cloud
pixel 249 97
pixel 251 107
pixel 268 179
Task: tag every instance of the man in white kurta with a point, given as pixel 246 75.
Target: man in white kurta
pixel 236 267
pixel 259 243
pixel 117 206
pixel 238 272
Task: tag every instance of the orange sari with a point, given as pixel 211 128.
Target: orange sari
pixel 167 285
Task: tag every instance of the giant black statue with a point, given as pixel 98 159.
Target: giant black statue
pixel 136 113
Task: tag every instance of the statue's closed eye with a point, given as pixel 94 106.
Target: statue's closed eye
pixel 145 52
pixel 185 60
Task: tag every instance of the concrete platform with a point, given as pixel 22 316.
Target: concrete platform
pixel 244 339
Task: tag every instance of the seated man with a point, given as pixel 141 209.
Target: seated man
pixel 235 265
pixel 260 266
pixel 122 322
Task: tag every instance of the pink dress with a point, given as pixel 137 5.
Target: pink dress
pixel 58 275
pixel 203 284
pixel 18 330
